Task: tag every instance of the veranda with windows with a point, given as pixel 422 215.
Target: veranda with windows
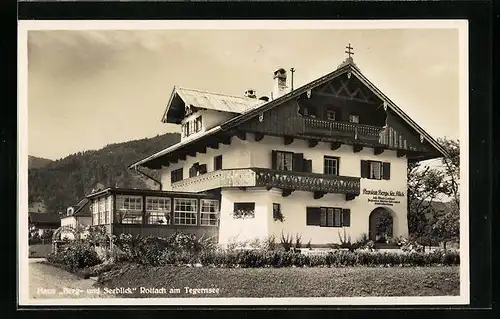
pixel 155 213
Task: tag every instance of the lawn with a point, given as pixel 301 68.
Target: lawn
pixel 282 282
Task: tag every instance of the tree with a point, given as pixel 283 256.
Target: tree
pixel 425 186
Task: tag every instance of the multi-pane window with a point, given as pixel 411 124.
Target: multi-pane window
pixel 197 124
pixel 107 211
pixel 217 162
pixel 328 217
pixel 209 212
pixel 129 203
pixel 185 211
pixel 129 208
pixel 331 165
pixel 158 210
pixel 277 211
pixel 284 161
pixel 102 208
pixel 95 212
pixel 375 170
pixel 354 118
pixel 176 175
pixel 330 115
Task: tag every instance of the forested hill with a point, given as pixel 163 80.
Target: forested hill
pixel 62 183
pixel 37 162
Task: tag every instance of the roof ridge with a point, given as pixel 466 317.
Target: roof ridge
pixel 215 93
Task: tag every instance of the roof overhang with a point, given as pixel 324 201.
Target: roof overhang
pixel 233 123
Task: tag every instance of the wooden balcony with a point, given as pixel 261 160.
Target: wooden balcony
pixel 312 126
pixel 263 177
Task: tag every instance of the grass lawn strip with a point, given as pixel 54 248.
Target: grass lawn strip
pixel 288 282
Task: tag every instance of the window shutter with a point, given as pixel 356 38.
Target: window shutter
pixel 202 169
pixel 338 217
pixel 313 216
pixel 365 169
pixel 346 217
pixel 330 218
pixel 386 170
pixel 298 162
pixel 274 161
pixel 307 166
pixel 323 217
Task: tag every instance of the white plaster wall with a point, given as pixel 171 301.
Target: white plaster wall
pixel 236 155
pixel 242 154
pixel 231 229
pixel 209 119
pixel 349 165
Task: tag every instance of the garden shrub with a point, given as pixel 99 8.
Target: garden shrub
pixel 75 255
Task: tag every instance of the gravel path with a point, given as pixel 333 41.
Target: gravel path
pixel 48 282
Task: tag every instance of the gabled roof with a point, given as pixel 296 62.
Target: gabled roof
pixel 349 66
pixel 346 66
pixel 79 207
pixel 44 218
pixel 205 100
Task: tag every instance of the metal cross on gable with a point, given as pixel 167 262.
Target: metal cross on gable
pixel 349 50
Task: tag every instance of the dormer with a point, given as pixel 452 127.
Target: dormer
pixel 198 111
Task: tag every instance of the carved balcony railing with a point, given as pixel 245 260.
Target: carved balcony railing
pixel 243 177
pixel 312 126
pixel 263 177
pixel 308 181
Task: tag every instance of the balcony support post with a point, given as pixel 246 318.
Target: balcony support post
pixel 242 135
pixel 335 145
pixel 378 150
pixel 357 148
pixel 400 153
pixel 286 192
pixel 287 140
pixel 318 195
pixel 349 197
pixel 258 136
pixel 312 143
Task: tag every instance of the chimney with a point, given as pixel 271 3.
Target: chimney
pixel 280 87
pixel 250 93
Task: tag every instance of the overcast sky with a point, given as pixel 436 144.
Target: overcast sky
pixel 87 89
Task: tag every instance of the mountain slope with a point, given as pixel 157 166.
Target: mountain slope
pixel 37 162
pixel 64 182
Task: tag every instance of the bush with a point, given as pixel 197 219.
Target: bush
pixel 270 243
pixel 75 255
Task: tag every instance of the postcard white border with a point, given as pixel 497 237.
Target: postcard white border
pixel 23 274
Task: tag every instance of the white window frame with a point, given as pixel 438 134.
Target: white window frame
pixel 129 215
pixel 183 215
pixel 121 199
pixel 158 208
pixel 284 161
pixel 353 118
pixel 209 212
pixel 327 168
pixel 102 210
pixel 95 212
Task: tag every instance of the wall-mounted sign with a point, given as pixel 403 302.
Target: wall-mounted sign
pixel 381 197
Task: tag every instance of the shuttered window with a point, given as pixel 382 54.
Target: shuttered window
pixel 217 162
pixel 176 175
pixel 288 161
pixel 375 170
pixel 328 217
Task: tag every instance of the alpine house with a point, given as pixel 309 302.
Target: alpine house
pixel 322 160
